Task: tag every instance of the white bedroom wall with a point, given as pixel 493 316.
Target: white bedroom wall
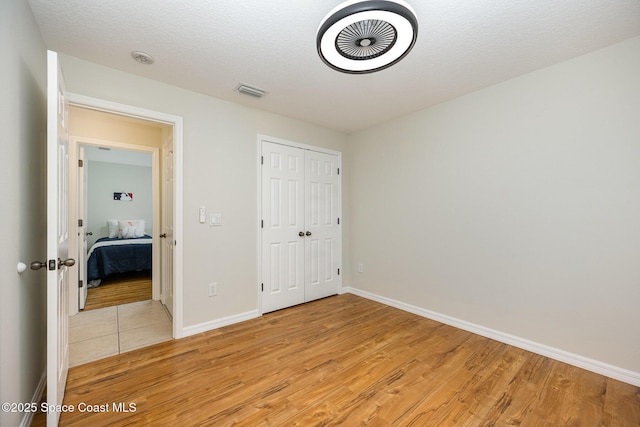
pixel 515 208
pixel 106 178
pixel 220 173
pixel 23 84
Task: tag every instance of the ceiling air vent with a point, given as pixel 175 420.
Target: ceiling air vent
pixel 249 90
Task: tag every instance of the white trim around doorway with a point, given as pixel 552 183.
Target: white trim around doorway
pixel 177 123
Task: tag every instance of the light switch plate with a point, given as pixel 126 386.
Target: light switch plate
pixel 215 219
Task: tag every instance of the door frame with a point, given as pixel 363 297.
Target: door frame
pixel 74 148
pixel 177 123
pixel 265 138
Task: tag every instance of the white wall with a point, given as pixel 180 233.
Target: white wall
pixel 23 212
pixel 516 207
pixel 220 173
pixel 107 178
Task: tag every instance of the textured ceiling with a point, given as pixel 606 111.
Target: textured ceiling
pixel 211 46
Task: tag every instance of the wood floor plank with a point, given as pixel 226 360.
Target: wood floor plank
pixel 344 361
pixel 621 404
pixel 584 400
pixel 120 289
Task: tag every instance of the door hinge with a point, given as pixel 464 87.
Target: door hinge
pixel 262 287
pixel 80 282
pixel 80 163
pixel 338 272
pixel 262 223
pixel 338 171
pixel 80 223
pixel 262 160
pixel 338 221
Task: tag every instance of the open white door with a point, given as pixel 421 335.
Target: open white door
pixel 82 229
pixel 57 263
pixel 167 236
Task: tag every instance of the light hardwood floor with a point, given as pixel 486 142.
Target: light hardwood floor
pixel 344 361
pixel 119 289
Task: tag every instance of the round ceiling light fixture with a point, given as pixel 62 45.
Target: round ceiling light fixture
pixel 363 36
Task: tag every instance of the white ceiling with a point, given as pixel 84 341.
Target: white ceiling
pixel 210 46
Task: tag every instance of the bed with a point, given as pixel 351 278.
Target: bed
pixel 117 255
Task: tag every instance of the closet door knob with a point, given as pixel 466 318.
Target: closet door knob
pixel 301 234
pixel 308 233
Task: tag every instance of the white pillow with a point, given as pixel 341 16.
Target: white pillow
pixel 113 228
pixel 140 229
pixel 131 228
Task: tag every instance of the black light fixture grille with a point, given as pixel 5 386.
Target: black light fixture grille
pixel 367 39
pixel 365 36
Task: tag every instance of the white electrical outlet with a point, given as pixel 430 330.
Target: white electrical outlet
pixel 360 268
pixel 213 289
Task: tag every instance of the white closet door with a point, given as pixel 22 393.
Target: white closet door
pixel 283 222
pixel 322 242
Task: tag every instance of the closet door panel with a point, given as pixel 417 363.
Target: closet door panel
pixel 282 248
pixel 321 220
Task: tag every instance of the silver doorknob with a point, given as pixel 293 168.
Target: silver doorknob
pixel 37 265
pixel 69 262
pixel 163 236
pixel 301 234
pixel 308 233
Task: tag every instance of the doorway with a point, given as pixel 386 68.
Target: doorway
pixel 118 268
pixel 118 152
pixel 166 128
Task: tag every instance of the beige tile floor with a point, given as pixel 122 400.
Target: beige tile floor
pixel 100 333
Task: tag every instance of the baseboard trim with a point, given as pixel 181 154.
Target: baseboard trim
pixel 37 396
pixel 577 360
pixel 219 323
